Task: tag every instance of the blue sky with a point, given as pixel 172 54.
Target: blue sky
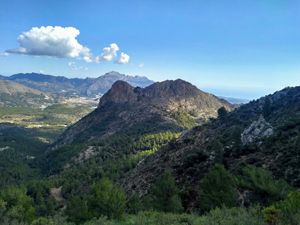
pixel 235 48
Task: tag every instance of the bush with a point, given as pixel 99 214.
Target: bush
pixel 234 216
pixel 266 190
pixel 289 209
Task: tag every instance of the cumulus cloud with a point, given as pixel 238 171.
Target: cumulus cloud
pixel 73 66
pixel 141 65
pixel 56 42
pixel 61 42
pixel 4 54
pixel 42 72
pixel 108 53
pixel 124 58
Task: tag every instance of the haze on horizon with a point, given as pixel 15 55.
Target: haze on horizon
pixel 244 49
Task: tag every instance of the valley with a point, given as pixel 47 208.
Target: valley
pixel 169 153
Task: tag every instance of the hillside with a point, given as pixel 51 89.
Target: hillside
pixel 135 136
pixel 84 87
pixel 163 106
pixel 264 133
pixel 14 94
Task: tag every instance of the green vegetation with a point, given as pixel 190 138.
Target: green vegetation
pixel 106 200
pixel 184 120
pixel 23 99
pixel 264 188
pixel 222 113
pixel 88 172
pixel 18 111
pixel 66 109
pixel 165 194
pixel 15 206
pixel 217 188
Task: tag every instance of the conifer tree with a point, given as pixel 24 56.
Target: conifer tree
pixel 134 204
pixel 77 210
pixel 106 200
pixel 217 188
pixel 217 147
pixel 222 113
pixel 267 107
pixel 165 194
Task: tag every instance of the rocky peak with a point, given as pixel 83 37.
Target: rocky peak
pixel 168 95
pixel 120 92
pixel 113 73
pixel 169 88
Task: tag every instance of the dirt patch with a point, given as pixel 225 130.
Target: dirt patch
pixel 56 193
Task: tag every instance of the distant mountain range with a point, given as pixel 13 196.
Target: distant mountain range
pixel 84 87
pixel 235 100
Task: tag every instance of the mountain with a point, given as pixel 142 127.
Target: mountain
pixel 83 87
pixel 264 133
pixel 14 94
pixel 169 105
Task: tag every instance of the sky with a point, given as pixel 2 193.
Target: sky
pixel 244 49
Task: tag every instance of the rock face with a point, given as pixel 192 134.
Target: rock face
pixel 257 129
pixel 164 104
pixel 120 92
pixel 170 96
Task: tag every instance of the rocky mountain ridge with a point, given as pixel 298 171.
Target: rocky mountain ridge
pixel 124 108
pixel 84 87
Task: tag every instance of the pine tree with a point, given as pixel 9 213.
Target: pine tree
pixel 106 199
pixel 267 107
pixel 218 152
pixel 222 113
pixel 217 189
pixel 134 204
pixel 77 210
pixel 165 194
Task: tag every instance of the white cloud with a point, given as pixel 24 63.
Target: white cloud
pixel 56 42
pixel 4 54
pixel 42 72
pixel 124 58
pixel 141 65
pixel 61 42
pixel 73 66
pixel 108 53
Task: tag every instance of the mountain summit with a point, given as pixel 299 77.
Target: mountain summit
pixel 168 95
pixel 169 105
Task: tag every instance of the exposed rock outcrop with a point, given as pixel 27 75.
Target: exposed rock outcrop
pixel 257 129
pixel 168 95
pixel 120 92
